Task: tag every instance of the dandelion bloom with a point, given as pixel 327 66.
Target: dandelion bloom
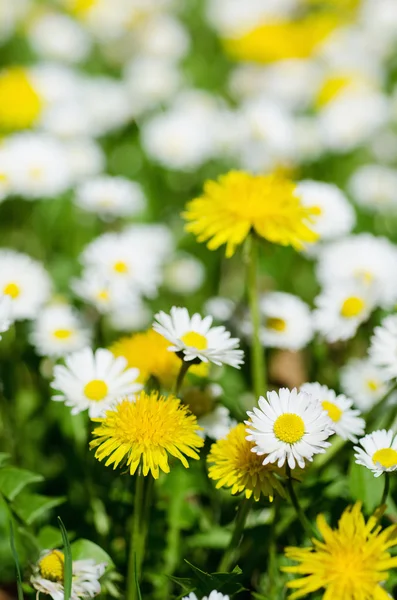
pixel 20 104
pixel 234 465
pixel 145 432
pixel 238 202
pixel 351 561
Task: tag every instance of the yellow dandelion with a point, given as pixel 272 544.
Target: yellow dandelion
pixel 239 202
pixel 145 432
pixel 234 465
pixel 350 563
pixel 282 40
pixel 20 104
pixel 148 352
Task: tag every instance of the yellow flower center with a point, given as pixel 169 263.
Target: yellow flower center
pixel 96 390
pixel 12 289
pixel 331 88
pixel 3 178
pixel 80 7
pixel 334 412
pixel 52 566
pixel 103 295
pixel 62 334
pixel 20 105
pixel 289 428
pixel 386 457
pixel 120 267
pixel 276 324
pixel 364 276
pixel 352 307
pixel 36 173
pixel 195 340
pixel 373 385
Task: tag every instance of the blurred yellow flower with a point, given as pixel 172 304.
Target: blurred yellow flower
pixel 20 104
pixel 148 352
pixel 351 561
pixel 238 202
pixel 145 431
pixel 234 465
pixel 282 40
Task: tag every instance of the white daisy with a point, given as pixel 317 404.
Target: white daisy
pixel 93 381
pixel 364 259
pixel 383 348
pixel 374 187
pixel 363 381
pixel 378 452
pixel 217 423
pixel 214 595
pixel 110 197
pixel 86 158
pixel 194 338
pixel 184 274
pixel 341 310
pixel 103 292
pixel 346 421
pixel 286 321
pixel 48 576
pixel 25 281
pixel 58 330
pixel 135 316
pixel 288 426
pixel 335 216
pixel 151 80
pixel 5 313
pixel 38 166
pixel 221 309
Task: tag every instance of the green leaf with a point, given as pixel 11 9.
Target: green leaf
pixel 68 568
pixel 365 487
pixel 49 537
pixel 13 480
pixel 4 457
pixel 84 549
pixel 227 583
pixel 217 538
pixel 30 507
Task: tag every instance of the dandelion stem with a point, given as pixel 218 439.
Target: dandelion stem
pixel 298 509
pixel 136 539
pixel 181 376
pixel 231 553
pixel 258 368
pixel 385 489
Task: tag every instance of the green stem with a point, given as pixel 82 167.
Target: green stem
pixel 385 490
pixel 136 549
pixel 258 368
pixel 298 509
pixel 181 376
pixel 231 553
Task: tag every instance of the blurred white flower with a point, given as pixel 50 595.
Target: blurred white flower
pixel 214 595
pixel 221 309
pixel 5 313
pixel 184 274
pixel 151 80
pixel 58 330
pixel 110 197
pixel 163 36
pixel 86 157
pixel 217 423
pixel 25 281
pixel 383 348
pixel 374 187
pixel 363 381
pixel 106 294
pixel 233 17
pixel 58 37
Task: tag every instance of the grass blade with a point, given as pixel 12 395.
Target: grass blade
pixel 138 589
pixel 67 580
pixel 15 556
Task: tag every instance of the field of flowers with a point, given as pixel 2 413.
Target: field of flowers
pixel 198 295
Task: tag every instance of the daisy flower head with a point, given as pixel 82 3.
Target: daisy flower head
pixel 239 202
pixel 25 282
pixel 335 215
pixel 145 432
pixel 195 338
pixel 20 103
pixel 48 576
pixel 350 562
pixel 286 321
pixel 94 381
pixel 233 464
pixel 5 313
pixel 364 382
pixel 58 330
pixel 110 197
pixel 217 423
pixel 373 187
pixel 288 427
pixel 340 310
pixel 378 452
pixel 346 420
pixel 214 595
pixel 105 293
pixel 383 348
pixel 363 259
